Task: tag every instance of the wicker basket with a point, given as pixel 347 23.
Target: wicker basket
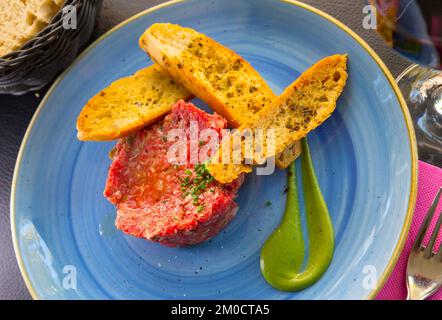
pixel 38 61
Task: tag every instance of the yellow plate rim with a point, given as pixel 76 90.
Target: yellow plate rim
pixel 412 138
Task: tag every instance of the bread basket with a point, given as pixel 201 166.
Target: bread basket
pixel 40 59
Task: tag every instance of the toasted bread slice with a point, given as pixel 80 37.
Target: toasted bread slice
pixel 302 107
pixel 285 158
pixel 214 73
pixel 129 104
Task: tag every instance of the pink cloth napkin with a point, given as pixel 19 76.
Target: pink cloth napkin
pixel 430 180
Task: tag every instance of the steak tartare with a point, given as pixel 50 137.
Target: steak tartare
pixel 174 204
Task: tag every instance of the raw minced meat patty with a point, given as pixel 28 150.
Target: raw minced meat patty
pixel 175 205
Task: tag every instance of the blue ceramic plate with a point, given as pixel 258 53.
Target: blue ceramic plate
pixel 364 155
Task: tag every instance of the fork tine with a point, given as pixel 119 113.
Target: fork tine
pixel 429 249
pixel 439 253
pixel 423 229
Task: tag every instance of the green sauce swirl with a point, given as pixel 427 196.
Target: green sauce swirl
pixel 283 253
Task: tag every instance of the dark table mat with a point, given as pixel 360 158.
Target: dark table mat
pixel 16 112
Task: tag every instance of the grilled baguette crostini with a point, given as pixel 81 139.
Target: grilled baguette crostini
pixel 302 107
pixel 129 104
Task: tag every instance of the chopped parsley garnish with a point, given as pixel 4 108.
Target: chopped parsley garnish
pixel 129 140
pixel 195 184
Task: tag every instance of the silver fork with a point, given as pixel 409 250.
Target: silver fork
pixel 424 269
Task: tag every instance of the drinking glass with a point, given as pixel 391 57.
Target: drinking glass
pixel 414 29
